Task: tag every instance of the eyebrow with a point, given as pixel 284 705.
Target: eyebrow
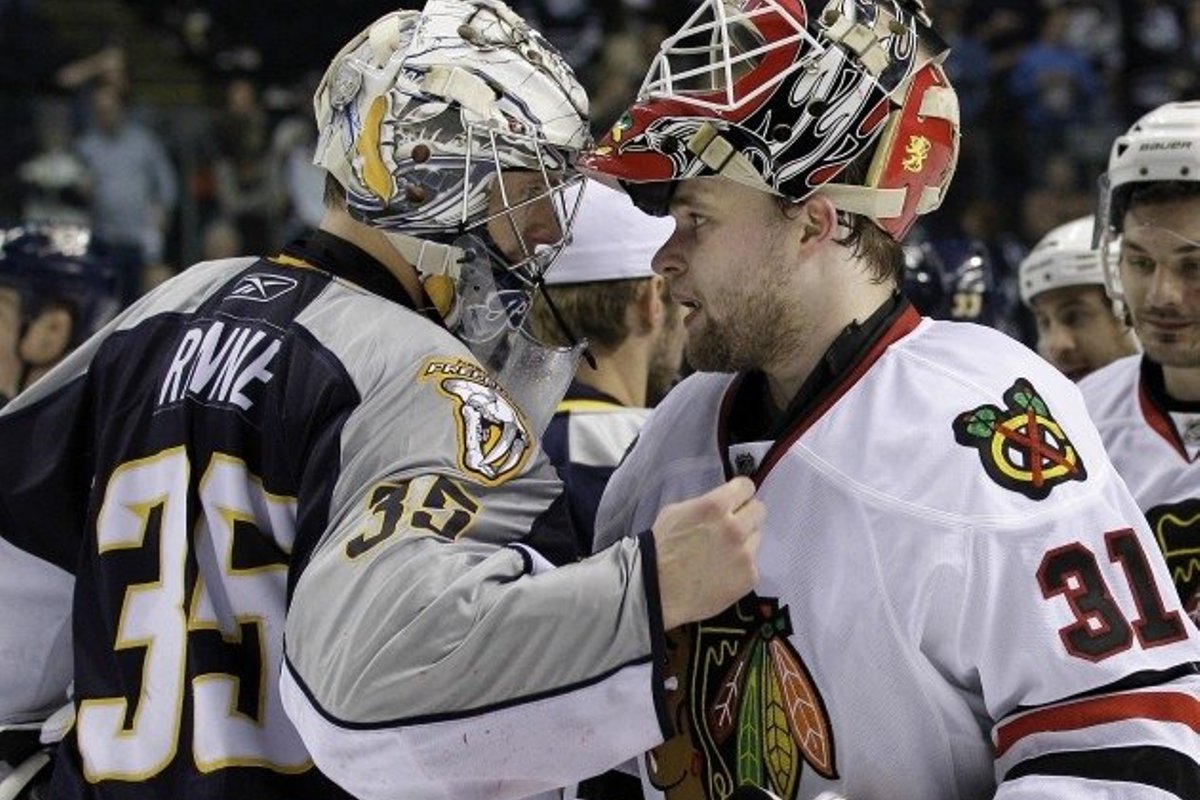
pixel 1180 250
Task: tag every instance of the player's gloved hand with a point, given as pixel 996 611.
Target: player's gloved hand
pixel 706 550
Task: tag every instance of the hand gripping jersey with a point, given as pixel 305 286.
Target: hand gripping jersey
pixel 259 433
pixel 585 440
pixel 1154 443
pixel 958 599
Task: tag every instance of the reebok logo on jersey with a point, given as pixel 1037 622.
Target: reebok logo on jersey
pixel 1022 448
pixel 260 287
pixel 219 363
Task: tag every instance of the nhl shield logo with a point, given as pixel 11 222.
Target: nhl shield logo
pixel 746 710
pixel 1021 446
pixel 1176 527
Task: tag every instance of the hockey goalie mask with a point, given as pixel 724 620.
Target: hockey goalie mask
pixel 1161 147
pixel 781 95
pixel 455 131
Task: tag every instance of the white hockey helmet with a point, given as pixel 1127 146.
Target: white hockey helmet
pixel 1162 146
pixel 420 112
pixel 1064 257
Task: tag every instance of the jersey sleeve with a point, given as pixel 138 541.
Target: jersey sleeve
pixel 42 512
pixel 1084 657
pixel 433 649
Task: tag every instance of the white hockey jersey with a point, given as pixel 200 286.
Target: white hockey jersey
pixel 958 598
pixel 1154 443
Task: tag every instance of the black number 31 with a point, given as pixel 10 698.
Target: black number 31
pixel 1100 629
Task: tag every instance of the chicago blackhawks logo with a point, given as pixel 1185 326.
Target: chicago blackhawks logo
pixel 1176 526
pixel 1021 446
pixel 494 441
pixel 746 710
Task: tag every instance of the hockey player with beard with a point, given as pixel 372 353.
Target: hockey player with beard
pixel 338 442
pixel 958 597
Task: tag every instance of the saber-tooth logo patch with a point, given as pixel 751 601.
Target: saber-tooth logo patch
pixel 493 437
pixel 261 287
pixel 1022 448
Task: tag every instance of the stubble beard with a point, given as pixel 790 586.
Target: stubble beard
pixel 756 331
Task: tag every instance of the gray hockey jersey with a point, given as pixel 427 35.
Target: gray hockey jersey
pixel 285 446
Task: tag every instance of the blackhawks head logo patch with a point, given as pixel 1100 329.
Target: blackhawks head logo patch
pixel 1021 446
pixel 746 710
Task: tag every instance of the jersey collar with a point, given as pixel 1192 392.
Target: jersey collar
pixel 744 415
pixel 336 256
pixel 1158 407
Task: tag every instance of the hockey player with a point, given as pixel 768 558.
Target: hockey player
pixel 958 598
pixel 299 444
pixel 1148 407
pixel 603 289
pixel 1079 329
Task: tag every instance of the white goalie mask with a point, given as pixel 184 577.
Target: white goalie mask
pixel 1163 146
pixel 455 132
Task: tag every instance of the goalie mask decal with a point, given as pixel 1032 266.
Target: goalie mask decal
pixel 493 437
pixel 746 711
pixel 1021 446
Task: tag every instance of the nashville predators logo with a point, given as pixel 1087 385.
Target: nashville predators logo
pixel 1021 446
pixel 1176 526
pixel 493 438
pixel 915 153
pixel 746 711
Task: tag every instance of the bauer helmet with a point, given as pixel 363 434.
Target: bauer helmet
pixel 1161 147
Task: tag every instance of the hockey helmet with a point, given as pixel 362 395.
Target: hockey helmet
pixel 419 114
pixel 1064 257
pixel 1162 146
pixel 950 279
pixel 782 95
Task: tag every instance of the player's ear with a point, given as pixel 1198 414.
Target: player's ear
pixel 817 219
pixel 651 310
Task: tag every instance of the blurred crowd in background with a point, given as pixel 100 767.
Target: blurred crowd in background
pixel 181 130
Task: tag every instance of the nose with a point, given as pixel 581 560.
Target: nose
pixel 1166 288
pixel 1056 342
pixel 668 260
pixel 539 224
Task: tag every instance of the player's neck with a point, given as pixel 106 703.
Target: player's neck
pixel 376 245
pixel 620 373
pixel 1182 383
pixel 824 319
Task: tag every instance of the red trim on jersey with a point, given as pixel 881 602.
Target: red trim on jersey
pixel 905 323
pixel 1157 706
pixel 1159 421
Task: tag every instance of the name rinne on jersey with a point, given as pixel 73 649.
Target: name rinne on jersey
pixel 219 363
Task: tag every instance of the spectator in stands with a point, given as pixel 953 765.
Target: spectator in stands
pixel 245 178
pixel 1056 88
pixel 10 332
pixel 132 189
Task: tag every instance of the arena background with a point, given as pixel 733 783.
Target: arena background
pixel 222 88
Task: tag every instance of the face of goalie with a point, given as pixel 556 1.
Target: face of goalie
pixel 522 215
pixel 730 265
